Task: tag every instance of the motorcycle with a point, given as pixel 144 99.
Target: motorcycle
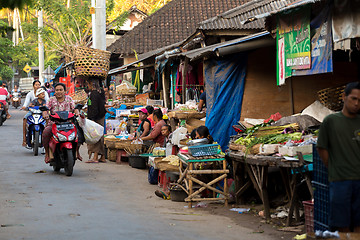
pixel 2 113
pixel 35 127
pixel 16 99
pixel 63 142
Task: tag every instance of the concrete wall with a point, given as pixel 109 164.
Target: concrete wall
pixel 262 97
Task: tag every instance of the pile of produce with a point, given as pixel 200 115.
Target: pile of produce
pixel 267 134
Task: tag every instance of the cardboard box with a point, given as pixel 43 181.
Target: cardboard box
pixel 268 149
pixel 142 98
pixel 292 151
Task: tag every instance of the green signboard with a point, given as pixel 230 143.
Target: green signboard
pixel 293 42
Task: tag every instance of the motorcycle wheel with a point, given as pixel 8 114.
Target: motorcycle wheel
pixel 70 163
pixel 1 121
pixel 36 143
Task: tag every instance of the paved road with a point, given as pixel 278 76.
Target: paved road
pixel 100 201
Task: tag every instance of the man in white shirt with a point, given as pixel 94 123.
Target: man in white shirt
pixel 29 98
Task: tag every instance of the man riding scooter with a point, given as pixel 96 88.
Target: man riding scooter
pixel 29 98
pixel 16 97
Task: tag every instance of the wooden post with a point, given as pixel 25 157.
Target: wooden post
pixel 291 96
pixel 184 74
pixel 191 167
pixel 164 88
pixel 265 192
pixel 225 186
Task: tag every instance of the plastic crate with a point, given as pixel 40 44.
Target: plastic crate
pixel 321 205
pixel 320 172
pixel 309 216
pixel 203 150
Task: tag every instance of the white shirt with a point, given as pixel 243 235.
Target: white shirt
pixel 31 96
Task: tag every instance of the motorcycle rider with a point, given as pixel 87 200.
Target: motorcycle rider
pixel 39 101
pixel 29 98
pixel 4 95
pixel 16 93
pixel 59 102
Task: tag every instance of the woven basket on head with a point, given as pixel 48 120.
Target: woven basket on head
pixel 91 62
pixel 332 97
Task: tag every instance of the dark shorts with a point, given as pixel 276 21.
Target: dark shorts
pixel 344 204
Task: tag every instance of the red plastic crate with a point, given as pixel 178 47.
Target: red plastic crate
pixel 309 215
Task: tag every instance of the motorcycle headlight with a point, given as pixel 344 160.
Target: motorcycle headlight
pixel 72 136
pixel 62 138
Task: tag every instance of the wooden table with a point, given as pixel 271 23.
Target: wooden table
pixel 189 176
pixel 256 167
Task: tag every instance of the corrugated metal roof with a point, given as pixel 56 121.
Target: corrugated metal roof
pixel 208 50
pixel 234 19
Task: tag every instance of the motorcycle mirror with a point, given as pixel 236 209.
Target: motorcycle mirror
pixel 43 108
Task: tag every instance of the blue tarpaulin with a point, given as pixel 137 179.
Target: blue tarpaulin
pixel 225 81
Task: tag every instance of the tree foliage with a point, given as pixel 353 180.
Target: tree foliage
pixel 147 6
pixel 12 4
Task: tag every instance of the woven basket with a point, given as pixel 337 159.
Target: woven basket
pixel 110 142
pixel 332 97
pixel 79 96
pixel 112 154
pixel 91 62
pixel 122 144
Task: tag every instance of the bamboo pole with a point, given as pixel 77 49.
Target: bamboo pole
pixel 208 171
pixel 208 186
pixel 204 199
pixel 225 185
pixel 210 183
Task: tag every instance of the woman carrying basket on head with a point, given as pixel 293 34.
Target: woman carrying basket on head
pixel 96 112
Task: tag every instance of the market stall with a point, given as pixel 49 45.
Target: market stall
pixel 284 145
pixel 186 115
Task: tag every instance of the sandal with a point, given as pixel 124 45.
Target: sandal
pixel 24 144
pixel 47 159
pixel 92 161
pixel 102 160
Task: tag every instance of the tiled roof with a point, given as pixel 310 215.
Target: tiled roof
pixel 234 19
pixel 171 24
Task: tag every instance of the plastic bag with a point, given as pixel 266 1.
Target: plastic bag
pixel 92 130
pixel 178 135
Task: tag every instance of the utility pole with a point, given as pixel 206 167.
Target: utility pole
pixel 41 47
pixel 99 35
pixel 93 20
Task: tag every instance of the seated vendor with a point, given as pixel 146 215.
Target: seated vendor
pixel 150 110
pixel 145 126
pixel 155 134
pixel 166 132
pixel 203 132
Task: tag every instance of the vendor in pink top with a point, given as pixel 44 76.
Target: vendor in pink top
pixel 155 134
